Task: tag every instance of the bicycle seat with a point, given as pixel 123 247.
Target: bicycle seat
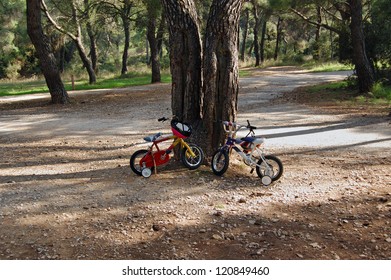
pixel 255 140
pixel 153 137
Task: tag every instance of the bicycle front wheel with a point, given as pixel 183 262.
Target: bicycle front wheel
pixel 188 160
pixel 272 167
pixel 220 162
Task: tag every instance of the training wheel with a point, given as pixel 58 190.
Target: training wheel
pixel 146 172
pixel 266 180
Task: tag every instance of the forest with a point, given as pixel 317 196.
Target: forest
pixel 97 38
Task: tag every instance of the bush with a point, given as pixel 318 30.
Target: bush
pixel 381 91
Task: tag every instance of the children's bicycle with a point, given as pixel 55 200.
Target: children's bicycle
pixel 269 167
pixel 144 161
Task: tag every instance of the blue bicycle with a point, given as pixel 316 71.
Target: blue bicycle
pixel 269 167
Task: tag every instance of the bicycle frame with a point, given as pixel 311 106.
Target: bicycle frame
pixel 157 156
pixel 177 141
pixel 248 158
pixel 231 144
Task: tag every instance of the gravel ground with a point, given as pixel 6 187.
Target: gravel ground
pixel 67 192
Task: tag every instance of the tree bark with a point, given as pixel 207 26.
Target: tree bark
pixel 316 52
pixel 363 67
pixel 91 36
pixel 263 39
pixel 278 38
pixel 153 44
pixel 125 53
pixel 244 35
pixel 185 59
pixel 218 99
pixel 257 26
pixel 220 71
pixel 44 53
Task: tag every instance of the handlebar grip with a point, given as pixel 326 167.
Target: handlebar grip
pixel 249 126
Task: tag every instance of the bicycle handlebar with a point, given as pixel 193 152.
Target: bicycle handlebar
pixel 163 119
pixel 236 126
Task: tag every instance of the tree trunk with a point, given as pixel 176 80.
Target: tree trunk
pixel 278 39
pixel 245 33
pixel 125 54
pixel 220 71
pixel 185 59
pixel 257 26
pixel 263 39
pixel 91 36
pixel 363 66
pixel 153 44
pixel 86 62
pixel 44 53
pixel 160 34
pixel 316 52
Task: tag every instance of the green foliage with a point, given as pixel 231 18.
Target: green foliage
pixel 13 36
pixel 381 91
pixel 379 30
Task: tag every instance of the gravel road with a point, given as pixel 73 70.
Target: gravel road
pixel 67 192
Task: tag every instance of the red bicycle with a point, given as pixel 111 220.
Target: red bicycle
pixel 144 161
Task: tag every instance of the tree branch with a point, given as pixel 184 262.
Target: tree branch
pixel 307 19
pixel 54 23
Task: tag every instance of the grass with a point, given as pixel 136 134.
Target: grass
pixel 22 87
pixel 8 88
pixel 342 93
pixel 327 67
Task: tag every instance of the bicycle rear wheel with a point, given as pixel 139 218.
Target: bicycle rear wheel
pixel 220 162
pixel 135 161
pixel 272 167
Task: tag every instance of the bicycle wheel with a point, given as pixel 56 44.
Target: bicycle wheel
pixel 220 162
pixel 273 169
pixel 192 162
pixel 135 161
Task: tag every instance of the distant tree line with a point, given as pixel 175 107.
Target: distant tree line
pixel 110 35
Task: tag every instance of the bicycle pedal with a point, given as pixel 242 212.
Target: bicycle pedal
pixel 168 152
pixel 252 171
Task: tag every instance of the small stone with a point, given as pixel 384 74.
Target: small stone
pixel 218 213
pixel 242 200
pixel 315 245
pixel 157 227
pixel 217 237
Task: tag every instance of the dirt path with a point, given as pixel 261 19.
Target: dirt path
pixel 67 192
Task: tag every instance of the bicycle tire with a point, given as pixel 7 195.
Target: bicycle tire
pixel 276 165
pixel 135 159
pixel 192 162
pixel 220 162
